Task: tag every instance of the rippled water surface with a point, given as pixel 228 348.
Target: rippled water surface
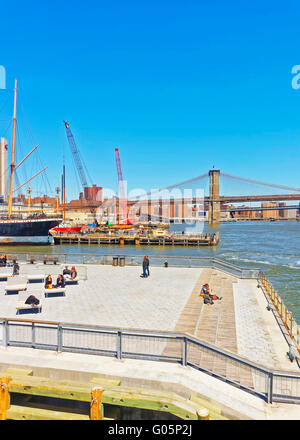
pixel 274 247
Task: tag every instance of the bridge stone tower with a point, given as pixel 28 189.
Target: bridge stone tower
pixel 214 197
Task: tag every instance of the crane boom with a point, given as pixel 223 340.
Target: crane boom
pixel 76 156
pixel 123 200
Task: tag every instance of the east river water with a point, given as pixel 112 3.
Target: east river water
pixel 274 247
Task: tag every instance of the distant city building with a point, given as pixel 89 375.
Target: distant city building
pixel 3 169
pixel 93 193
pixel 270 213
pixel 282 212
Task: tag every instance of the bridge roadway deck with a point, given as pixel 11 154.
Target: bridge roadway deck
pixel 168 301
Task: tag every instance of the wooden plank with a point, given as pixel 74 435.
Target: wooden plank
pixel 184 409
pixel 17 372
pixel 29 413
pixel 51 388
pixel 120 396
pixel 105 382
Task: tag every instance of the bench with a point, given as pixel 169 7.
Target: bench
pixel 10 259
pixel 69 281
pixel 59 291
pixel 36 278
pixel 15 285
pixel 5 275
pixel 25 308
pixel 47 259
pixel 31 259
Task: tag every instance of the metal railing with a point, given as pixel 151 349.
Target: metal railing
pixel 286 316
pixel 155 346
pixel 155 260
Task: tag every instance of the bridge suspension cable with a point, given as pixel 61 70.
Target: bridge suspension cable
pixel 257 182
pixel 176 184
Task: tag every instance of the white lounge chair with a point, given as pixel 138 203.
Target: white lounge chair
pixel 15 285
pixel 5 275
pixel 59 291
pixel 25 308
pixel 36 278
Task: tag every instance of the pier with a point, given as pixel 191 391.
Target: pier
pixel 137 240
pixel 238 355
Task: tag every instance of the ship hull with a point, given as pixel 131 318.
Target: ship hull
pixel 26 231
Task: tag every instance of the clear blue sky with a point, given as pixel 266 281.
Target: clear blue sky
pixel 177 86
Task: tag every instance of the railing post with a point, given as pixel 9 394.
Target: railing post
pixel 32 335
pixel 270 388
pixel 59 338
pixel 184 351
pixel 5 333
pixel 119 345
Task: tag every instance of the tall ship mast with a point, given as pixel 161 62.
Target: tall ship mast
pixel 34 227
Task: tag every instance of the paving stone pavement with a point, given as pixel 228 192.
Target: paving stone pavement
pixel 253 339
pixel 117 297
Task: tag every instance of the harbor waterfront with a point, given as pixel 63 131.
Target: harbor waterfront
pixel 235 359
pixel 274 247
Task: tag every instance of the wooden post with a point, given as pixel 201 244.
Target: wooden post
pixel 203 414
pixel 97 411
pixel 285 319
pixel 4 396
pixel 291 328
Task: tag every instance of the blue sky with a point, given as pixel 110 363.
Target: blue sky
pixel 177 86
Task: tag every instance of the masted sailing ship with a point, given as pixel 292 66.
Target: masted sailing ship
pixel 30 227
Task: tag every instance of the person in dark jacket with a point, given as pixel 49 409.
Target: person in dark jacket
pixel 145 266
pixel 16 268
pixel 67 272
pixel 60 282
pixel 32 300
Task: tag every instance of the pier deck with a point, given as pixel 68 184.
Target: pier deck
pixel 169 301
pixel 100 239
pixel 166 301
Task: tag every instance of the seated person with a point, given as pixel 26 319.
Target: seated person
pixel 48 283
pixel 73 273
pixel 60 282
pixel 205 290
pixel 16 268
pixel 67 272
pixel 32 300
pixel 207 299
pixel 3 260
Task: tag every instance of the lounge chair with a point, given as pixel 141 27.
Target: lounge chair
pixel 55 291
pixel 28 308
pixel 36 278
pixel 15 285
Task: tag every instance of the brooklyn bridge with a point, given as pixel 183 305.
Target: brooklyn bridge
pixel 166 205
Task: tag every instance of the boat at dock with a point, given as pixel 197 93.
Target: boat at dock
pixel 137 239
pixel 30 227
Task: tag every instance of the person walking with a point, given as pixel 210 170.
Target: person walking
pixel 147 266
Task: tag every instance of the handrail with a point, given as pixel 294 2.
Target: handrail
pixel 286 316
pixel 117 351
pixel 184 261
